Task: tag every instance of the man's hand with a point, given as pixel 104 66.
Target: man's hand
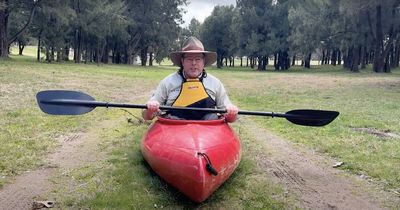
pixel 231 113
pixel 152 108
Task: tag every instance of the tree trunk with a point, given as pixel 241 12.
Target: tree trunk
pixel 307 61
pixel 101 50
pixel 59 53
pixel 104 58
pixel 151 59
pixel 355 59
pixel 397 53
pixel 334 57
pixel 48 55
pixel 143 56
pixel 259 66
pixel 4 14
pixel 98 54
pixel 280 61
pixel 327 56
pixel 66 53
pixel 339 57
pixel 241 61
pixel 21 47
pixel 392 56
pixel 386 66
pixel 130 57
pixel 362 57
pixel 252 62
pixel 85 53
pixel 323 57
pixel 378 59
pixel 118 57
pixel 283 60
pixel 276 61
pixel 348 59
pixel 125 57
pixel 113 54
pixel 39 46
pixel 294 60
pixel 220 58
pixel 262 64
pixel 52 54
pixel 78 46
pixel 386 44
pixel 394 34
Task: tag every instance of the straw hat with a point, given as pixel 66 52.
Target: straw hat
pixel 193 45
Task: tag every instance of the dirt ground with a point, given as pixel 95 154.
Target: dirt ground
pixel 75 151
pixel 312 177
pixel 309 176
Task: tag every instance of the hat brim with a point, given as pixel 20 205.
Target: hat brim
pixel 209 57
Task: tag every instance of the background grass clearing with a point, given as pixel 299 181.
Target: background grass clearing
pixel 366 100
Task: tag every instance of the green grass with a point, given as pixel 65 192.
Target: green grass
pixel 123 180
pixel 365 100
pixel 27 134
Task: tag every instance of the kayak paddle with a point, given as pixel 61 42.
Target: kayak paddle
pixel 67 102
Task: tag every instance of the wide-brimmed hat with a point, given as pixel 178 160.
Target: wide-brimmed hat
pixel 193 45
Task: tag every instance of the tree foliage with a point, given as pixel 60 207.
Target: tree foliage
pixel 359 32
pixel 217 32
pixel 335 32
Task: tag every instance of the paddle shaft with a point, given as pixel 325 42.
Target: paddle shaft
pixel 67 102
pixel 73 102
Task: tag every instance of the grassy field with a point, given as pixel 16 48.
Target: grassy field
pixel 365 136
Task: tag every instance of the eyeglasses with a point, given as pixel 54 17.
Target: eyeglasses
pixel 193 59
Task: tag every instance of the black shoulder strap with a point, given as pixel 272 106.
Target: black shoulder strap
pixel 180 72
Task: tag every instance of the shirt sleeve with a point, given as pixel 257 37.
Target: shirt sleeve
pixel 222 98
pixel 161 93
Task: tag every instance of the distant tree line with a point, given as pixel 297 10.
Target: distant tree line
pixel 94 29
pixel 344 32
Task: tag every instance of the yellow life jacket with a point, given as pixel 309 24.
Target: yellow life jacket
pixel 192 94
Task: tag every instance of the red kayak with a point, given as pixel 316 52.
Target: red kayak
pixel 195 157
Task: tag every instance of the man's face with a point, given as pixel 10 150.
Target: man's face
pixel 193 64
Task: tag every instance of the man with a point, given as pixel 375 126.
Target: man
pixel 191 86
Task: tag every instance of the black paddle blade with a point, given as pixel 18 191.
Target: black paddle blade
pixel 309 117
pixel 58 102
